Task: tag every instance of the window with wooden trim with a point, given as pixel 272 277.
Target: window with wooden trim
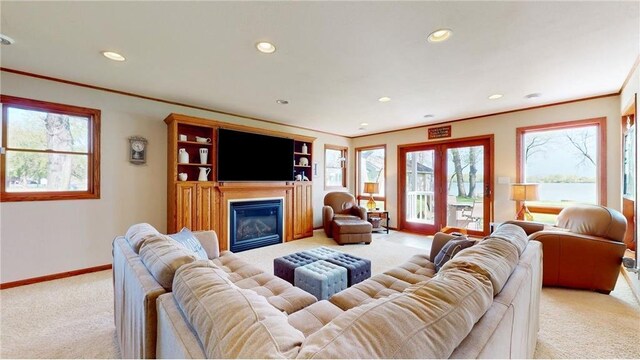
pixel 50 151
pixel 371 168
pixel 567 160
pixel 335 167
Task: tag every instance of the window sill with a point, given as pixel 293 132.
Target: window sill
pixel 48 196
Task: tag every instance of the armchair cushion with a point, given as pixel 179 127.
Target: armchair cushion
pixel 593 220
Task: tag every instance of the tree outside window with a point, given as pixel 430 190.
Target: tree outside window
pixel 567 162
pixel 51 151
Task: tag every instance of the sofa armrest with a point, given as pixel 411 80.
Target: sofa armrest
pixel 439 240
pixel 360 211
pixel 209 241
pixel 327 218
pixel 529 227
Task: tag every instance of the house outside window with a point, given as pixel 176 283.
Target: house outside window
pixel 51 151
pixel 335 165
pixel 567 160
pixel 371 168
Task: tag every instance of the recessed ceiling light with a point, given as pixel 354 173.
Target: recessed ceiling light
pixel 113 56
pixel 364 124
pixel 266 47
pixel 439 35
pixel 282 102
pixel 384 99
pixel 5 40
pixel 495 96
pixel 429 116
pixel 533 95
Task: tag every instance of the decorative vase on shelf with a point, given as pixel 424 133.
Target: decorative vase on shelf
pixel 304 148
pixel 204 172
pixel 304 161
pixel 203 155
pixel 183 156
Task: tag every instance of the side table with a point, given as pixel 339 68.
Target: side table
pixel 383 215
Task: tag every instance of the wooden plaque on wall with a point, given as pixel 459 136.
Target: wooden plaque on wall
pixel 439 132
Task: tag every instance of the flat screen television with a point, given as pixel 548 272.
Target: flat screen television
pixel 244 156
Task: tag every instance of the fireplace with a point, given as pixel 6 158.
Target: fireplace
pixel 255 223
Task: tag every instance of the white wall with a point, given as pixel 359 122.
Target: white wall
pixel 630 89
pixel 504 129
pixel 46 237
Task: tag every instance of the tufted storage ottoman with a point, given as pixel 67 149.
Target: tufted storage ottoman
pixel 322 253
pixel 321 279
pixel 358 269
pixel 351 231
pixel 284 267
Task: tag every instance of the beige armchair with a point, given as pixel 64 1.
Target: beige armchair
pixel 584 250
pixel 340 205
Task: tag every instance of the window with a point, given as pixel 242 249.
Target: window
pixel 335 165
pixel 51 151
pixel 371 165
pixel 567 160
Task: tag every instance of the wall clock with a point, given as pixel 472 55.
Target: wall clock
pixel 137 150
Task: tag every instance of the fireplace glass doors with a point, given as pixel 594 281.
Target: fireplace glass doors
pixel 255 224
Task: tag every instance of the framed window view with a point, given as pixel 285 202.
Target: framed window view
pixel 51 151
pixel 335 160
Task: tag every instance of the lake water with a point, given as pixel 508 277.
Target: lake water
pixel 578 192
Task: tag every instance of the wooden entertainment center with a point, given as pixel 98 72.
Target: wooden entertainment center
pixel 203 205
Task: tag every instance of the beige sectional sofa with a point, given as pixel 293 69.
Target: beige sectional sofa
pixel 483 303
pixel 144 264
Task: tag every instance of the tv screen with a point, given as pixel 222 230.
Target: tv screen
pixel 245 156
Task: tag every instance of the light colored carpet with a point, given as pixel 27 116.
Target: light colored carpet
pixel 73 317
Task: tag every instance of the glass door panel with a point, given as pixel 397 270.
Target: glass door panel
pixel 465 187
pixel 419 194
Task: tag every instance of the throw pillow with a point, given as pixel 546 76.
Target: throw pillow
pixel 450 249
pixel 189 241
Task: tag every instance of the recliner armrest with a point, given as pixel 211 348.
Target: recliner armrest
pixel 209 241
pixel 327 218
pixel 359 211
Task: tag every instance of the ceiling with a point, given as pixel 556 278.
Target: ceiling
pixel 333 59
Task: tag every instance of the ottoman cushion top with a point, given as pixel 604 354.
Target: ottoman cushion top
pixel 352 226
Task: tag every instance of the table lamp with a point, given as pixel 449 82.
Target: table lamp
pixel 371 188
pixel 524 192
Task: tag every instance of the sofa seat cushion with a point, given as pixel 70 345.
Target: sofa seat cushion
pixel 416 270
pixel 427 320
pixel 163 256
pixel 138 233
pixel 314 317
pixel 231 322
pixel 281 294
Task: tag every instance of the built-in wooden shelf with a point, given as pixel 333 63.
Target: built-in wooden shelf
pixel 195 143
pixel 194 164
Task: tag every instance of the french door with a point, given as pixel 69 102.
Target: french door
pixel 446 184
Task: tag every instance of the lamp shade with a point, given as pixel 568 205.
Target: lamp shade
pixel 524 192
pixel 371 187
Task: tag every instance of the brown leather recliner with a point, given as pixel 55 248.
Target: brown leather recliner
pixel 340 205
pixel 584 250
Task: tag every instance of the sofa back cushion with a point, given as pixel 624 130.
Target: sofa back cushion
pixel 427 320
pixel 231 322
pixel 163 256
pixel 138 233
pixel 513 234
pixel 493 258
